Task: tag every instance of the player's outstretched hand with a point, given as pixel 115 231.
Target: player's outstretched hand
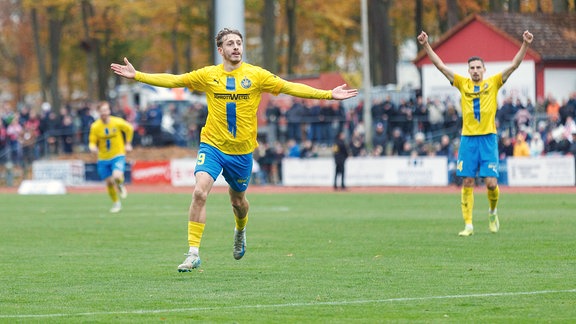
pixel 127 71
pixel 340 93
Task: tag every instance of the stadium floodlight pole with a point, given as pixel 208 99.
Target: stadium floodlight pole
pixel 366 80
pixel 228 14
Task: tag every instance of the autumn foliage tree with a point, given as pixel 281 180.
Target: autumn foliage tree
pixel 16 55
pixel 60 50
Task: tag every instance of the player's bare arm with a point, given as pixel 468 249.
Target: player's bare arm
pixel 423 40
pixel 128 71
pixel 527 39
pixel 340 93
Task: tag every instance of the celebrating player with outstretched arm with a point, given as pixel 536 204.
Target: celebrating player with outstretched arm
pixel 233 90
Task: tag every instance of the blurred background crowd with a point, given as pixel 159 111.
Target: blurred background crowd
pixel 299 128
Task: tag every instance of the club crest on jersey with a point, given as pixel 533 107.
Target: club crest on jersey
pixel 245 83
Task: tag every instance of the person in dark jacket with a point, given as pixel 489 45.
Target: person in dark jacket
pixel 340 150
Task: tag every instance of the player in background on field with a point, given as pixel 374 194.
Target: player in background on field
pixel 478 153
pixel 110 137
pixel 233 91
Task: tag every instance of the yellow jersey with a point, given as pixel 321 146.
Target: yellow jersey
pixel 233 99
pixel 479 104
pixel 109 138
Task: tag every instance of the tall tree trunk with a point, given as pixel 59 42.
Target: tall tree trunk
pixel 20 61
pixel 291 20
pixel 174 43
pixel 419 14
pixel 88 46
pixel 442 21
pixel 496 5
pixel 54 37
pixel 19 78
pixel 268 34
pixel 383 53
pixel 16 73
pixel 560 6
pixel 102 59
pixel 11 51
pixel 453 14
pixel 419 17
pixel 97 60
pixel 539 6
pixel 513 6
pixel 188 40
pixel 40 55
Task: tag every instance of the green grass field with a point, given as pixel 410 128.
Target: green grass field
pixel 311 258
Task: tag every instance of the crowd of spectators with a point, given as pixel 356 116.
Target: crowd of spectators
pixel 416 127
pixel 31 133
pixel 547 128
pixel 300 128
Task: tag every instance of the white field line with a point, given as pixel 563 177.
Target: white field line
pixel 333 303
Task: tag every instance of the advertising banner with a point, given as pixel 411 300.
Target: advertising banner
pixel 151 172
pixel 70 172
pixel 368 171
pixel 541 171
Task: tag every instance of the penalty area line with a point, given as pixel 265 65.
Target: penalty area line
pixel 262 306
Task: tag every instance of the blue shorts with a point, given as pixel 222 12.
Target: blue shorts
pixel 478 155
pixel 236 169
pixel 106 167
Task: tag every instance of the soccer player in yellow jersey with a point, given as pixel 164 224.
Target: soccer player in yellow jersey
pixel 110 137
pixel 233 91
pixel 478 153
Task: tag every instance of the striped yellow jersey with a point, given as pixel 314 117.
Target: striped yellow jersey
pixel 109 138
pixel 233 99
pixel 479 104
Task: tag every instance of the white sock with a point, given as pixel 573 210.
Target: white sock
pixel 469 227
pixel 193 250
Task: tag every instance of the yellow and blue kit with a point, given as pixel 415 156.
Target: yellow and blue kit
pixel 479 102
pixel 478 153
pixel 110 138
pixel 233 99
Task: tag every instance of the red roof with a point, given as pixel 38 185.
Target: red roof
pixel 496 36
pixel 325 81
